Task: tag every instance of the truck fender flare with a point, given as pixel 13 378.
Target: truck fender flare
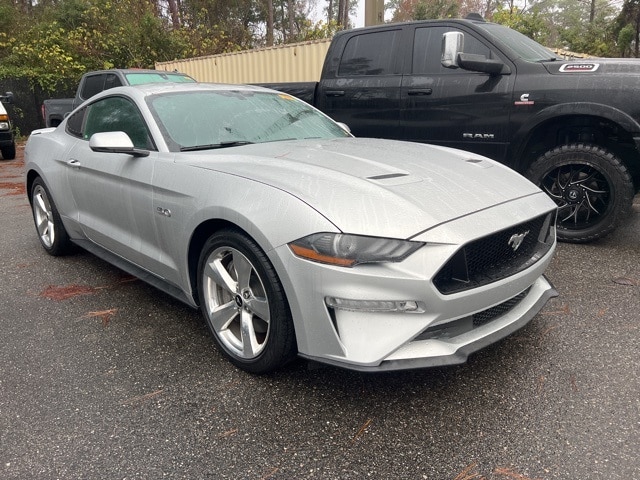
pixel 524 133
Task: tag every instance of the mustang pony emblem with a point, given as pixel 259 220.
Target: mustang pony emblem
pixel 516 240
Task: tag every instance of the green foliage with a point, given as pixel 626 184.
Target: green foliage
pixel 423 9
pixel 57 42
pixel 316 31
pixel 530 23
pixel 625 37
pixel 566 24
pixel 627 28
pixel 435 9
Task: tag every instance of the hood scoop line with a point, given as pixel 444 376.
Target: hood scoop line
pixel 387 176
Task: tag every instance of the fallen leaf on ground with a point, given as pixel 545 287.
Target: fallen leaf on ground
pixel 362 430
pixel 468 474
pixel 509 473
pixel 105 315
pixel 59 293
pixel 143 398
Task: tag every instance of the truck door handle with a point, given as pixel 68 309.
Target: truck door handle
pixel 334 93
pixel 74 163
pixel 417 93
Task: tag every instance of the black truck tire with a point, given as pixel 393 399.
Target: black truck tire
pixel 8 153
pixel 591 186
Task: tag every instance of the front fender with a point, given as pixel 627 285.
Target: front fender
pixel 572 109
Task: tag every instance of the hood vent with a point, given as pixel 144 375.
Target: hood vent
pixel 387 176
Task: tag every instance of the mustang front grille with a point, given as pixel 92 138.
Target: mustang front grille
pixel 496 256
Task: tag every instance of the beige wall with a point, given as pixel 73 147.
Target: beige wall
pixel 298 62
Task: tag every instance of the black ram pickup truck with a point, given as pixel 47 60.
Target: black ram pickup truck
pixel 571 126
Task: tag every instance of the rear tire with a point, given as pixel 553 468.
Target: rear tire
pixel 53 237
pixel 591 186
pixel 244 303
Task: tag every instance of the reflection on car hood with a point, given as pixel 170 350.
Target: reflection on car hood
pixel 371 186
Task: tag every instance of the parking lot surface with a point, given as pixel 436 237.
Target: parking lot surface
pixel 104 377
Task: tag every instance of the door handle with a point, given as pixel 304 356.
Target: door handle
pixel 334 93
pixel 74 163
pixel 421 92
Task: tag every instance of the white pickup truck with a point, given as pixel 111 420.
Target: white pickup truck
pixel 7 141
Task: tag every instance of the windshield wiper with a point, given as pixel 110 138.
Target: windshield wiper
pixel 212 146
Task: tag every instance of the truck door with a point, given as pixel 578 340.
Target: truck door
pixel 363 88
pixel 455 107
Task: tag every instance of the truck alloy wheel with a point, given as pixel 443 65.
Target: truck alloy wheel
pixel 590 185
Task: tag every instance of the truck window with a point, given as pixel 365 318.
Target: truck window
pixel 370 54
pixel 92 84
pixel 427 44
pixel 112 81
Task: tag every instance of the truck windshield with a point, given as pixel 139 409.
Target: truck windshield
pixel 159 77
pixel 522 45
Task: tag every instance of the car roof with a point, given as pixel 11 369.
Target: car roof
pixel 149 89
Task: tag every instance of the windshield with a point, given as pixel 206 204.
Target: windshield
pixel 522 45
pixel 159 77
pixel 210 119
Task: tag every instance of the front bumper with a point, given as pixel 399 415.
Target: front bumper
pixel 437 352
pixel 442 331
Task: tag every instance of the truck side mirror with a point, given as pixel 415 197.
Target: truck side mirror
pixel 452 46
pixel 479 63
pixel 7 97
pixel 453 56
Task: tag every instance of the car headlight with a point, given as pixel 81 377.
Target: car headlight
pixel 4 125
pixel 349 250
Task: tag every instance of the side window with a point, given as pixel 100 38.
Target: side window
pixel 370 54
pixel 75 122
pixel 427 45
pixel 112 81
pixel 117 114
pixel 92 84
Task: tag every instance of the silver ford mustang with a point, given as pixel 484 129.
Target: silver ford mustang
pixel 292 236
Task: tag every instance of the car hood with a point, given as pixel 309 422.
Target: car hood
pixel 375 187
pixel 595 66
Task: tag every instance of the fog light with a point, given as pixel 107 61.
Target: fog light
pixel 379 306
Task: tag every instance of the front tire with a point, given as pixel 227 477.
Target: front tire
pixel 244 303
pixel 591 186
pixel 53 237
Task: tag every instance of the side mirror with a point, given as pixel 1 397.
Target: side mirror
pixel 452 46
pixel 115 142
pixel 7 97
pixel 344 126
pixel 480 63
pixel 453 56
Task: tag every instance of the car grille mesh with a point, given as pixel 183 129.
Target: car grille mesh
pixel 489 314
pixel 495 257
pixel 466 324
